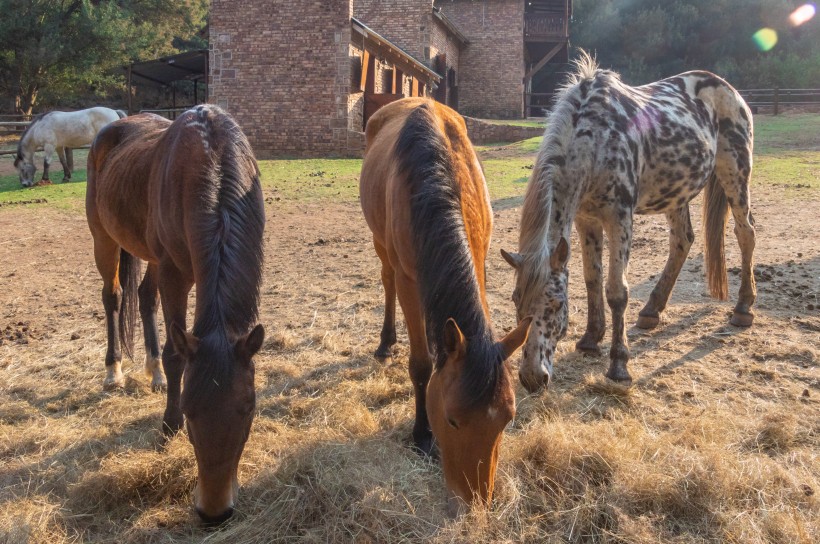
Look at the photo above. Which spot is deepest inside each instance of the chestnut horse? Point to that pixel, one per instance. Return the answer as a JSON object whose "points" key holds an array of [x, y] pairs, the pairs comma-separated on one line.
{"points": [[184, 196], [425, 200]]}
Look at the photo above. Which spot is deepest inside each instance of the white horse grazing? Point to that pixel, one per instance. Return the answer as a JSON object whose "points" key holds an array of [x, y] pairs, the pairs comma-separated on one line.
{"points": [[59, 131]]}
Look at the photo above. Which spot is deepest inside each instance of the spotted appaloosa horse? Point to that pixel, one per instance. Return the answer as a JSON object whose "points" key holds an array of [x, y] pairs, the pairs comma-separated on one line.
{"points": [[611, 151], [186, 197], [425, 200]]}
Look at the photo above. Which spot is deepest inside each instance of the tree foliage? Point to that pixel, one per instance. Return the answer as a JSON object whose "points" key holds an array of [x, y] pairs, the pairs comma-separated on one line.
{"points": [[62, 49], [647, 40]]}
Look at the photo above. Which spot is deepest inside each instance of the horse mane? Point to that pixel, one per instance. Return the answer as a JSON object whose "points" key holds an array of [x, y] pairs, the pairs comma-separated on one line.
{"points": [[446, 271], [226, 241], [35, 119], [535, 242]]}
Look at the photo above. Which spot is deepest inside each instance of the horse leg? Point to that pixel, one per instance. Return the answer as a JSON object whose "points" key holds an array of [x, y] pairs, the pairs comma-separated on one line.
{"points": [[388, 335], [617, 296], [107, 257], [591, 235], [738, 198], [681, 237], [61, 154], [149, 300], [421, 365], [173, 292], [69, 159], [48, 155]]}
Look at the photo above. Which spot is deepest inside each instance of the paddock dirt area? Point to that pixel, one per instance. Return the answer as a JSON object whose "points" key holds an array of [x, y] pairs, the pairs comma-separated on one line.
{"points": [[718, 440]]}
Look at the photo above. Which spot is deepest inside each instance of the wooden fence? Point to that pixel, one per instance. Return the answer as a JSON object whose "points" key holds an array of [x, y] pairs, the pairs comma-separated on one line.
{"points": [[775, 100], [778, 98]]}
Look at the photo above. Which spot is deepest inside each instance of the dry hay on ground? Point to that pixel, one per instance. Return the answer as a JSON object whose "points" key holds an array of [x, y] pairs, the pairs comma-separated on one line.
{"points": [[716, 441]]}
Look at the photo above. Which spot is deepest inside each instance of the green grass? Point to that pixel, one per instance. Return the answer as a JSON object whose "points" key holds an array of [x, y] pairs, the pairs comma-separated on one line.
{"points": [[541, 123], [69, 196], [787, 153]]}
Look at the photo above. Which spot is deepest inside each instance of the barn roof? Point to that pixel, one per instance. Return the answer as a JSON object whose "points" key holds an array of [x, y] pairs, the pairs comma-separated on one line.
{"points": [[191, 65], [396, 53]]}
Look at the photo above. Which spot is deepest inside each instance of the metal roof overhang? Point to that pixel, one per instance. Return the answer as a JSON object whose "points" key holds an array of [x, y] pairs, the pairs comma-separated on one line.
{"points": [[394, 53], [188, 66]]}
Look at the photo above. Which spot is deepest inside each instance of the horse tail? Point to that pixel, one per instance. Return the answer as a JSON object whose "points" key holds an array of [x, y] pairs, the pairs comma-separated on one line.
{"points": [[121, 113], [129, 276], [715, 217]]}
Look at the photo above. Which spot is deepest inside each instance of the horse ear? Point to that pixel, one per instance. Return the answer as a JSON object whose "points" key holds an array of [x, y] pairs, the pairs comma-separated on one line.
{"points": [[454, 342], [515, 338], [185, 343], [513, 259], [560, 257], [252, 342]]}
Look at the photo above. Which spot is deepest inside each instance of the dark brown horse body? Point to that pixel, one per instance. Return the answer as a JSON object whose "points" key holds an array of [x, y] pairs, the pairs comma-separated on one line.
{"points": [[186, 198], [425, 200]]}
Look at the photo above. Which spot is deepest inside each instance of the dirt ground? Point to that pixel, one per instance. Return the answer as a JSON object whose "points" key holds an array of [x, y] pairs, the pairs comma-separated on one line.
{"points": [[717, 440]]}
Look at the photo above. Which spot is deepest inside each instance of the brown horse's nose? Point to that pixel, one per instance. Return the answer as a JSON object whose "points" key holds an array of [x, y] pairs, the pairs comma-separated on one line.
{"points": [[213, 521]]}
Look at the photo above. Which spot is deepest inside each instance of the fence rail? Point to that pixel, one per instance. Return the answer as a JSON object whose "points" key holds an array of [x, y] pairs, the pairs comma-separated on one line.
{"points": [[777, 98]]}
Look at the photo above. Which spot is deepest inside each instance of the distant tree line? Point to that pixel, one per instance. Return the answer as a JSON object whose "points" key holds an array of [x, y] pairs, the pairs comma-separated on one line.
{"points": [[64, 51], [647, 40]]}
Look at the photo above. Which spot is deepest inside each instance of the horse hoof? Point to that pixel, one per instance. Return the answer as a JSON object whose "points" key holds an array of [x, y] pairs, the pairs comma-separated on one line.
{"points": [[159, 386], [742, 320], [112, 384], [170, 427], [647, 321], [425, 446], [66, 180], [587, 347], [619, 376], [383, 354]]}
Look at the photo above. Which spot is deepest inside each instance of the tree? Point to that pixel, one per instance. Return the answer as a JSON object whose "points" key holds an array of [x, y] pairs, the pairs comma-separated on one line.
{"points": [[68, 47], [647, 40]]}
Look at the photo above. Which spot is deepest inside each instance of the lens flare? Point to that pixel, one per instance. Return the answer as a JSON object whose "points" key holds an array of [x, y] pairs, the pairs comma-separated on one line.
{"points": [[765, 38], [802, 14]]}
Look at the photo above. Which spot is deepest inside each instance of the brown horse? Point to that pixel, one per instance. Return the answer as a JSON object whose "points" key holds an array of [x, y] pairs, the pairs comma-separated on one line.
{"points": [[185, 196], [425, 199]]}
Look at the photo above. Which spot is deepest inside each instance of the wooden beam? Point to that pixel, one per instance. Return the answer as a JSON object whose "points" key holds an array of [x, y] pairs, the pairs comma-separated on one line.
{"points": [[554, 51], [398, 81], [365, 65], [415, 91]]}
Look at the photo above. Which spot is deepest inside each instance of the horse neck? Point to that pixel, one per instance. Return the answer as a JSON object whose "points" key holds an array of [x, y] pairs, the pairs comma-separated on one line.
{"points": [[550, 206]]}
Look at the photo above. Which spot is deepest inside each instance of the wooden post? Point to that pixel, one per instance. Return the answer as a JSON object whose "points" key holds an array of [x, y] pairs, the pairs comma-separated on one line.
{"points": [[398, 82], [415, 91], [365, 65], [776, 100], [130, 111]]}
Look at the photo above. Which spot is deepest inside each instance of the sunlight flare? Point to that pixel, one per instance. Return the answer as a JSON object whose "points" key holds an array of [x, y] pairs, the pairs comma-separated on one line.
{"points": [[765, 38], [803, 14]]}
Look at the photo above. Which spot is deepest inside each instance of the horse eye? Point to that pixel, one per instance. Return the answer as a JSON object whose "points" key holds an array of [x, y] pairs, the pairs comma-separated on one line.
{"points": [[452, 423]]}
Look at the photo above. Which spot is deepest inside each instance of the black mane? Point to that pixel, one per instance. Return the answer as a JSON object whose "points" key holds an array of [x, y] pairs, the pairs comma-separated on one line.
{"points": [[228, 246], [446, 272]]}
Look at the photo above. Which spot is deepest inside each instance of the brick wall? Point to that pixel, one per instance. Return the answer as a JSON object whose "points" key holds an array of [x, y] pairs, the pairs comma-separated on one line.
{"points": [[492, 64], [441, 41], [403, 22], [284, 74]]}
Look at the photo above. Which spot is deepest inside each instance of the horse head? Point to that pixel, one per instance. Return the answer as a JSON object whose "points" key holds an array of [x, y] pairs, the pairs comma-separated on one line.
{"points": [[468, 433], [219, 420], [546, 299], [25, 169]]}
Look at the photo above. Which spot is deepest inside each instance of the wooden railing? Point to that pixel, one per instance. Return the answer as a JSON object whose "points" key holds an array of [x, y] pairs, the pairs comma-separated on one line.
{"points": [[544, 27], [777, 98]]}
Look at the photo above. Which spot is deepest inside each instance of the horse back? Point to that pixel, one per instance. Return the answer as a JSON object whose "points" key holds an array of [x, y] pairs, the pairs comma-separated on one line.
{"points": [[386, 185], [119, 175]]}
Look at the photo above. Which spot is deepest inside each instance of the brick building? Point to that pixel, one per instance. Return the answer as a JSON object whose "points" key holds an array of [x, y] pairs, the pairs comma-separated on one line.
{"points": [[303, 78]]}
